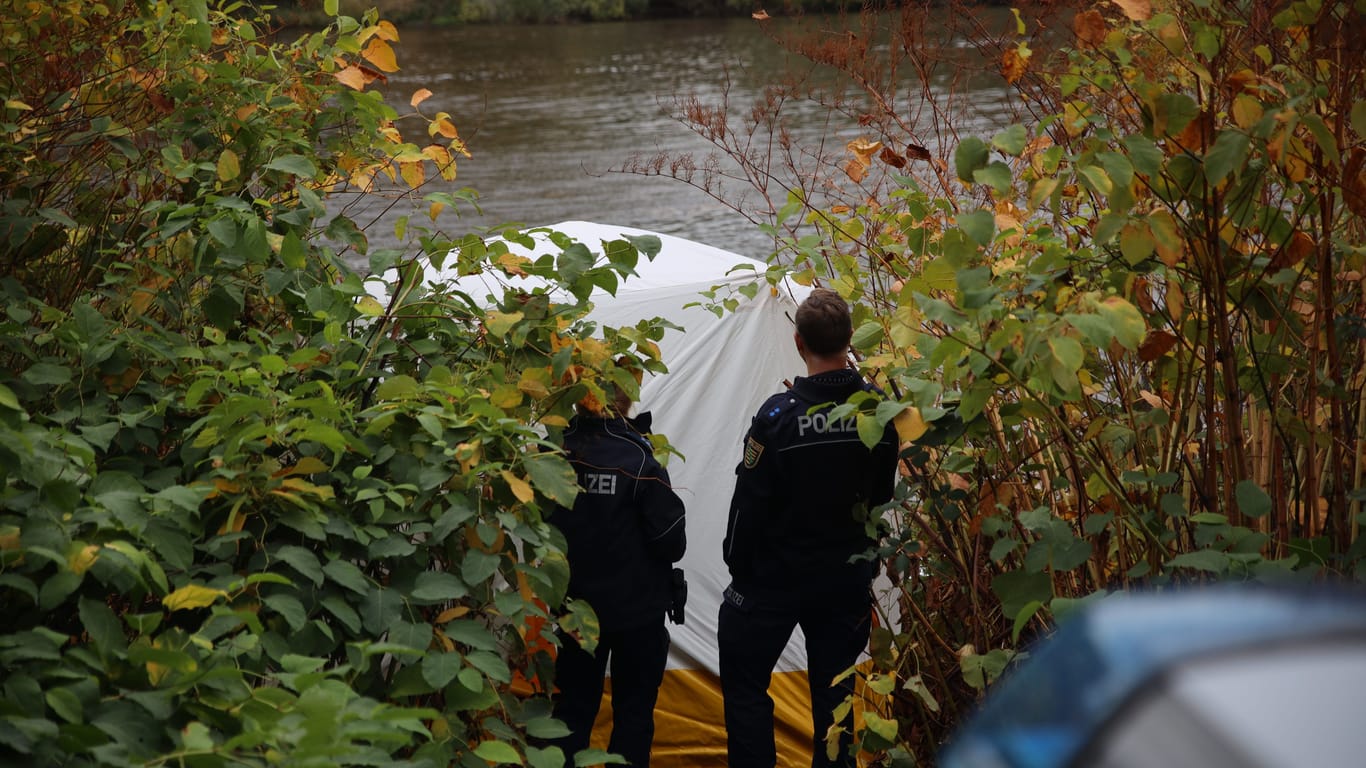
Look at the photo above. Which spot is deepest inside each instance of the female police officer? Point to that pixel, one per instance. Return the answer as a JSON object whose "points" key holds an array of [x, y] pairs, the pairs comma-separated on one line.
{"points": [[624, 532]]}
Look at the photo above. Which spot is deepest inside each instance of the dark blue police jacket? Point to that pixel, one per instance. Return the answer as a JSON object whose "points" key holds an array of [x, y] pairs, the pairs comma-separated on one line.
{"points": [[626, 528], [803, 490]]}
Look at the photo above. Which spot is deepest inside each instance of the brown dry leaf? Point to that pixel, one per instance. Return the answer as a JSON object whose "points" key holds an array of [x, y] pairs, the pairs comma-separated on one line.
{"points": [[1297, 249], [760, 15], [419, 96], [1156, 345], [1014, 62], [1152, 399], [1192, 137], [381, 55], [1089, 27], [855, 170], [917, 152], [891, 158], [1136, 10]]}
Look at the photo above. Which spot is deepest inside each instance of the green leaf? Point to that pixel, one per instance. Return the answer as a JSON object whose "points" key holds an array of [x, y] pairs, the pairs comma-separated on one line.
{"points": [[346, 574], [66, 704], [995, 175], [438, 586], [303, 561], [884, 728], [497, 752], [972, 153], [868, 336], [1228, 154], [1125, 320], [490, 664], [439, 669], [1144, 154], [47, 375], [595, 756], [478, 567], [1012, 140], [103, 626], [8, 399], [546, 728], [553, 476], [869, 430], [979, 225], [1017, 589], [192, 596], [1359, 118], [289, 608], [1022, 618], [1201, 560], [296, 165], [1252, 500]]}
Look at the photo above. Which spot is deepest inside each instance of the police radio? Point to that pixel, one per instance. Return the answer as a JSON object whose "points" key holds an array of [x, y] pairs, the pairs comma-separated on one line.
{"points": [[679, 594]]}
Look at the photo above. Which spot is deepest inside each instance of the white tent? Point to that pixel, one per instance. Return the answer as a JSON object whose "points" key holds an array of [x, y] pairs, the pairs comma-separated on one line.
{"points": [[720, 370]]}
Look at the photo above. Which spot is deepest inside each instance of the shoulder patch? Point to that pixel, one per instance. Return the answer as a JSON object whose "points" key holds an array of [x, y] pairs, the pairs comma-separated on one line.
{"points": [[753, 450]]}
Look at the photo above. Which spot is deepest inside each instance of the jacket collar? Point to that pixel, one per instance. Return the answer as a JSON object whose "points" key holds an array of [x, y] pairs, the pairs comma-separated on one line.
{"points": [[831, 386]]}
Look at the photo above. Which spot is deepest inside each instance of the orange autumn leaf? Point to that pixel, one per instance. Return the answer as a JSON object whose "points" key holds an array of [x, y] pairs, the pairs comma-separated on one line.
{"points": [[353, 78], [1014, 62], [419, 96], [381, 55]]}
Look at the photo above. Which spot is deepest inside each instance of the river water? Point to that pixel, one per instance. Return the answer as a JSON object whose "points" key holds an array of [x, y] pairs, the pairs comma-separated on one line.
{"points": [[548, 111]]}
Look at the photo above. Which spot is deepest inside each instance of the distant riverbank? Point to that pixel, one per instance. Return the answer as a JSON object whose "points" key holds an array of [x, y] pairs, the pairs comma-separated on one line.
{"points": [[456, 12]]}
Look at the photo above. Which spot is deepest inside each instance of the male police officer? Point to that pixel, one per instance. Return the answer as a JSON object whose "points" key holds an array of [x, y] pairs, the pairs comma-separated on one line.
{"points": [[798, 517], [623, 534]]}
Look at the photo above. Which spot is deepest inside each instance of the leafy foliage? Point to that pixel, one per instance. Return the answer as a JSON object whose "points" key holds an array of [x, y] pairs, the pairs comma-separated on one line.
{"points": [[1122, 331], [249, 514]]}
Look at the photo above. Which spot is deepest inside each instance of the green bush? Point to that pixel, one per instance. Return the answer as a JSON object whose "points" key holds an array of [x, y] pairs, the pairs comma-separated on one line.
{"points": [[249, 514]]}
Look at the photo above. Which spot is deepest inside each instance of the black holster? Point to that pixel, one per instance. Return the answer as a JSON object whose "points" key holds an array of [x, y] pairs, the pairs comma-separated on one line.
{"points": [[679, 594]]}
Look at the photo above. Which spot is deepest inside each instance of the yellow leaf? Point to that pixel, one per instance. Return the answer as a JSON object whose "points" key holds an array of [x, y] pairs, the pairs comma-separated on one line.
{"points": [[369, 306], [451, 614], [419, 96], [387, 31], [381, 55], [863, 150], [228, 165], [513, 264], [307, 465], [192, 596], [554, 420], [442, 124], [81, 560], [17, 104], [506, 397], [445, 164], [435, 210], [413, 174], [520, 488], [352, 78], [303, 486], [1247, 110], [910, 424], [1136, 10]]}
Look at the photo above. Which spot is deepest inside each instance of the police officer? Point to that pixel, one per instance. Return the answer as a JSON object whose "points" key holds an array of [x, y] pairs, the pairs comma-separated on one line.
{"points": [[798, 520], [625, 531]]}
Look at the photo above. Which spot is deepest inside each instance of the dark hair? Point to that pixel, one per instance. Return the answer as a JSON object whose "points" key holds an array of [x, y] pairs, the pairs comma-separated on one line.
{"points": [[823, 322]]}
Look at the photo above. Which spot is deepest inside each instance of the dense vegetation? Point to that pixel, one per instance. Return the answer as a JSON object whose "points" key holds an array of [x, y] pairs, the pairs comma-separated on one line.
{"points": [[1125, 332], [249, 514]]}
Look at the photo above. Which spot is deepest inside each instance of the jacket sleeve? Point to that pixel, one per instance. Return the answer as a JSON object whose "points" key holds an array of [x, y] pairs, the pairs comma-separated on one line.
{"points": [[756, 478], [663, 518]]}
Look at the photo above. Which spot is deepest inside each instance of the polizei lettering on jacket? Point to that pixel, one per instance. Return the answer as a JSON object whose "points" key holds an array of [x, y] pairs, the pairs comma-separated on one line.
{"points": [[600, 484], [820, 424]]}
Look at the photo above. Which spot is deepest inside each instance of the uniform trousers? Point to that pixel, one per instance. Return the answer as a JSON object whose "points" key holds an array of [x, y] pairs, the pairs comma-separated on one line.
{"points": [[750, 640], [637, 658]]}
